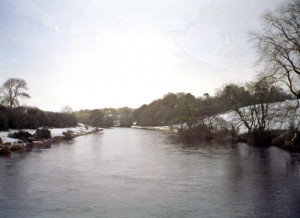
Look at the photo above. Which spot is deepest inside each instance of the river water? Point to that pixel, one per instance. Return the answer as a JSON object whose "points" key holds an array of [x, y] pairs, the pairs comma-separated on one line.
{"points": [[144, 173]]}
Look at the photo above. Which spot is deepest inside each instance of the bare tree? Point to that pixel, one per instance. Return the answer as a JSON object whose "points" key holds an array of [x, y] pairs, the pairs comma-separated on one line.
{"points": [[253, 105], [67, 110], [278, 45], [12, 90]]}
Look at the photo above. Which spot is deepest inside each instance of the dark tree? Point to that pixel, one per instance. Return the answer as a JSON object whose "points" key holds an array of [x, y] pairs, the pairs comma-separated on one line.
{"points": [[96, 118]]}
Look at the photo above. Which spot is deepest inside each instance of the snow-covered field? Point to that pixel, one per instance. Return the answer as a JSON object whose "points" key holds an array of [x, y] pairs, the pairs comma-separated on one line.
{"points": [[281, 115], [80, 129]]}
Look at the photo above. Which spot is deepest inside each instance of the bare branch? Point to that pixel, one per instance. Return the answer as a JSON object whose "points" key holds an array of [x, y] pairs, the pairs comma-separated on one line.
{"points": [[278, 45]]}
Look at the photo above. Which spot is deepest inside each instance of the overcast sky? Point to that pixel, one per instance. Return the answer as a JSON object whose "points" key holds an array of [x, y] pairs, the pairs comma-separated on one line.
{"points": [[114, 53]]}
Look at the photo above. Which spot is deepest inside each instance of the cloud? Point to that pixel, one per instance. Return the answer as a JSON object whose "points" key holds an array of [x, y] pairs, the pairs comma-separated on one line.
{"points": [[125, 51]]}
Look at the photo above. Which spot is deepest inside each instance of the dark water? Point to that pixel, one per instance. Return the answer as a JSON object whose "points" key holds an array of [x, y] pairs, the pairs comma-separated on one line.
{"points": [[142, 173]]}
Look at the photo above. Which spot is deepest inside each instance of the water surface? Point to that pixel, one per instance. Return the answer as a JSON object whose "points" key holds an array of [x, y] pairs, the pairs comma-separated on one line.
{"points": [[142, 173]]}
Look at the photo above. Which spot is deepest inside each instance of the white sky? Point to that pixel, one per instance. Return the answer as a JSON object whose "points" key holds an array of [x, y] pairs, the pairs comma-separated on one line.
{"points": [[114, 53]]}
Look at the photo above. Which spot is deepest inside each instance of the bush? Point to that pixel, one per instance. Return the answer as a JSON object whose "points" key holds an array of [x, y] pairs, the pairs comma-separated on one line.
{"points": [[261, 138], [42, 133], [22, 135], [197, 133], [4, 150], [68, 135], [296, 139], [3, 121]]}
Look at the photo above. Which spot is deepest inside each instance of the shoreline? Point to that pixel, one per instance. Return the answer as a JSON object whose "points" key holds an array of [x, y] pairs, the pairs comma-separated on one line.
{"points": [[12, 145], [172, 128], [280, 137], [160, 128]]}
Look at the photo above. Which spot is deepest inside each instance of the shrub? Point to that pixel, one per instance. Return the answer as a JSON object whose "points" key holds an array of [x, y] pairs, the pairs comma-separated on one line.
{"points": [[3, 121], [296, 139], [261, 138], [68, 135], [42, 133], [197, 133], [4, 150], [22, 135]]}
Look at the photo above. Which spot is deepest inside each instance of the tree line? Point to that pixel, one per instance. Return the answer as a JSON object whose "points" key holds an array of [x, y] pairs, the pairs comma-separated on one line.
{"points": [[107, 117], [185, 108], [14, 116], [33, 118]]}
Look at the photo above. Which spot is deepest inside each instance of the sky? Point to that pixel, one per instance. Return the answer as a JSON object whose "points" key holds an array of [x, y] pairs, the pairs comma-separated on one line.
{"points": [[90, 54]]}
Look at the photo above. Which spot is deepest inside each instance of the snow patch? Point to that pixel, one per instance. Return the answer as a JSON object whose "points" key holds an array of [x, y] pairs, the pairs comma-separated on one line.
{"points": [[80, 129], [282, 116]]}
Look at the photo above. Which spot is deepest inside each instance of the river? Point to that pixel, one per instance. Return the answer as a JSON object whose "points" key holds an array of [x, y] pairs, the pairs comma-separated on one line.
{"points": [[125, 172]]}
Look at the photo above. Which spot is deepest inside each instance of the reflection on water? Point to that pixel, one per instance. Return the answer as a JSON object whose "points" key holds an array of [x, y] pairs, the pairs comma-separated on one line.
{"points": [[141, 173]]}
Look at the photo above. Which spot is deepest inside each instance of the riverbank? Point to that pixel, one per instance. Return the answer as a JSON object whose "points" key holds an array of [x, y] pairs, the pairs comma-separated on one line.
{"points": [[284, 139], [160, 128], [173, 128], [9, 144]]}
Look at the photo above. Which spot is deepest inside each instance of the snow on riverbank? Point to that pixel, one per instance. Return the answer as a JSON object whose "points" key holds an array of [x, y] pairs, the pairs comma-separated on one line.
{"points": [[281, 115], [162, 128], [78, 130], [172, 128]]}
